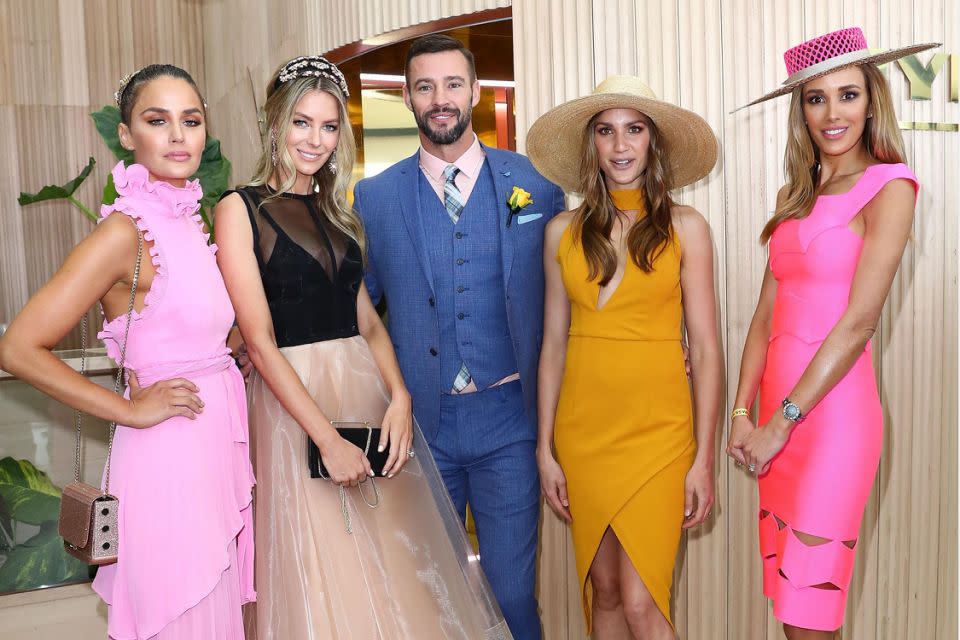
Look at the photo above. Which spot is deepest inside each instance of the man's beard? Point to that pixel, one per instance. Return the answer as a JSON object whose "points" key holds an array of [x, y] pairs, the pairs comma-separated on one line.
{"points": [[447, 136]]}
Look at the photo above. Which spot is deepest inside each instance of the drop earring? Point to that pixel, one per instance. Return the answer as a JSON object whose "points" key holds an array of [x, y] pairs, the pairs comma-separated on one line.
{"points": [[273, 150], [332, 162]]}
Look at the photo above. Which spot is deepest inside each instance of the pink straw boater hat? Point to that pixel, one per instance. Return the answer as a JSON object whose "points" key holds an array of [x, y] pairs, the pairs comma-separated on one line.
{"points": [[831, 52]]}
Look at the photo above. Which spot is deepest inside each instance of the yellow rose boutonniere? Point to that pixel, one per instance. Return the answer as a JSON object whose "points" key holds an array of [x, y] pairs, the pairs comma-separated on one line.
{"points": [[517, 201]]}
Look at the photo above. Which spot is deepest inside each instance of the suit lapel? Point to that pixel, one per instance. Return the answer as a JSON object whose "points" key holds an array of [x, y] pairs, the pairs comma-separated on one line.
{"points": [[410, 209], [502, 169]]}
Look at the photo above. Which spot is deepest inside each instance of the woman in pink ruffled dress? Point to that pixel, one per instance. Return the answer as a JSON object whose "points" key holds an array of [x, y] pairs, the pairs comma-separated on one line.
{"points": [[180, 466]]}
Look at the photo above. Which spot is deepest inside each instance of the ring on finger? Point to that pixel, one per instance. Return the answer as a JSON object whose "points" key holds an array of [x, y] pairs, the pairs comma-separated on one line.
{"points": [[751, 467], [411, 453]]}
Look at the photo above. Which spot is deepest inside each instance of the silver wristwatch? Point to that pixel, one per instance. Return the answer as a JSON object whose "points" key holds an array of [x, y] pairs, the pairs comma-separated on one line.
{"points": [[792, 412]]}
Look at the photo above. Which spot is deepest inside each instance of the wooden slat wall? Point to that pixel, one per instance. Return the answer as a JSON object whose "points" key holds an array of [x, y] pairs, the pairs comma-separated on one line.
{"points": [[62, 60], [711, 57]]}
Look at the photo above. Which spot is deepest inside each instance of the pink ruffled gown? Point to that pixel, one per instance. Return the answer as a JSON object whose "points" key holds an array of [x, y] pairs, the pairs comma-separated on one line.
{"points": [[819, 483], [186, 529]]}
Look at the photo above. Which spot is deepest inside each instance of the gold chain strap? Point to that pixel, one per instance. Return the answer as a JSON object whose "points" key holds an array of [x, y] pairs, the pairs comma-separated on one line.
{"points": [[78, 415]]}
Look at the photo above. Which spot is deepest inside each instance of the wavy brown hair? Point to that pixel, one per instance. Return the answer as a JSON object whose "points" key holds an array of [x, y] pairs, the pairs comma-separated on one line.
{"points": [[330, 187], [593, 220], [801, 159]]}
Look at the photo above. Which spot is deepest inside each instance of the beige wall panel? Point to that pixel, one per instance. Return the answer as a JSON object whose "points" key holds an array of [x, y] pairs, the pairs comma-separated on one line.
{"points": [[35, 66], [747, 73], [6, 54], [699, 74], [13, 274], [950, 232], [552, 57]]}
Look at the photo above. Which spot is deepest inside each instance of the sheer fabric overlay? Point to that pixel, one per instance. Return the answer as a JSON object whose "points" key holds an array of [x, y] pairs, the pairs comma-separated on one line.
{"points": [[406, 571]]}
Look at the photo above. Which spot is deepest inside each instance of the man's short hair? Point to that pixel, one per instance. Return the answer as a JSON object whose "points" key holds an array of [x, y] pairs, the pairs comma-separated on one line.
{"points": [[436, 43]]}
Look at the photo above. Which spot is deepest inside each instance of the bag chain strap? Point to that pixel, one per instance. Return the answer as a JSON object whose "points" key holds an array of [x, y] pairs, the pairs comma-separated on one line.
{"points": [[78, 415], [347, 520]]}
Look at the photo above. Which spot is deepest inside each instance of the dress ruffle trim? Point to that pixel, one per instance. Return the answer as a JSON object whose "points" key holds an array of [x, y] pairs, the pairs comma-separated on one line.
{"points": [[134, 182], [113, 329]]}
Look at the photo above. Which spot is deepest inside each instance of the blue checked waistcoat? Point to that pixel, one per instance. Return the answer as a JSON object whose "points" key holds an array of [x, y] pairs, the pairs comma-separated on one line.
{"points": [[467, 271]]}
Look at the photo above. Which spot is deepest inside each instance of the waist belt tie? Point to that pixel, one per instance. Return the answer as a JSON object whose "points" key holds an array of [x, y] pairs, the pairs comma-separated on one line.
{"points": [[192, 369]]}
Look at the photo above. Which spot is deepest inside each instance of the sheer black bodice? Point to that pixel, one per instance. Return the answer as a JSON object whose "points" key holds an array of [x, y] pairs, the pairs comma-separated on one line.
{"points": [[311, 270]]}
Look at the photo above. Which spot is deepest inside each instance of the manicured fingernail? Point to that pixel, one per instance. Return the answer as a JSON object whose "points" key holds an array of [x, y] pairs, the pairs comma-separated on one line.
{"points": [[380, 448], [390, 476]]}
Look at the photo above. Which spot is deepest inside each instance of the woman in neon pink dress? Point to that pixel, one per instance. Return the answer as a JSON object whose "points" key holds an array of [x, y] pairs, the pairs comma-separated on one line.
{"points": [[836, 239], [181, 467]]}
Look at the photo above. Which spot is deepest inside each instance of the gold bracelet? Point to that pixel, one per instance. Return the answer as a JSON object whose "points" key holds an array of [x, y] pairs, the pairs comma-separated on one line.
{"points": [[739, 412]]}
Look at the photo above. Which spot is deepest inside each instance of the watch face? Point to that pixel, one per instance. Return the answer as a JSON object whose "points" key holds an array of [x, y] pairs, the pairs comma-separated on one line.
{"points": [[791, 411]]}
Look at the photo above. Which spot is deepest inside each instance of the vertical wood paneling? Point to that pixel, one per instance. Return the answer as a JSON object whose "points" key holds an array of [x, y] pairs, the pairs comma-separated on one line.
{"points": [[748, 72], [553, 63], [553, 57], [946, 626], [905, 580]]}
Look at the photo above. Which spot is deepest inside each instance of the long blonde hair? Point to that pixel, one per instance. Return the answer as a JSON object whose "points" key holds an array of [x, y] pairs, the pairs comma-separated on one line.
{"points": [[593, 220], [801, 160], [330, 186]]}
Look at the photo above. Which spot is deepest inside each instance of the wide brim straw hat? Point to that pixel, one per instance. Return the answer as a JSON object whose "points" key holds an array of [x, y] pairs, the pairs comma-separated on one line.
{"points": [[555, 141], [831, 52]]}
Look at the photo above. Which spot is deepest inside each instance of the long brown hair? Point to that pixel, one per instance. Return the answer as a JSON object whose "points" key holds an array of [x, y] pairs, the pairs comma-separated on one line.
{"points": [[801, 160], [330, 186], [593, 220]]}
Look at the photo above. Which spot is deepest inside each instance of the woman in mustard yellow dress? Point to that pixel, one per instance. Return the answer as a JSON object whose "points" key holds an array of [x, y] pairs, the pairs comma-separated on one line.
{"points": [[634, 452]]}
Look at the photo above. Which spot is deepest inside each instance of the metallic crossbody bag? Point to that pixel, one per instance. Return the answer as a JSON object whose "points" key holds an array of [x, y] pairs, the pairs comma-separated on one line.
{"points": [[88, 515]]}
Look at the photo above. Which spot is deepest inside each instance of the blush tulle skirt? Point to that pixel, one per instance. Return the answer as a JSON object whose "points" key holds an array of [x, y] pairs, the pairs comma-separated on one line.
{"points": [[407, 569]]}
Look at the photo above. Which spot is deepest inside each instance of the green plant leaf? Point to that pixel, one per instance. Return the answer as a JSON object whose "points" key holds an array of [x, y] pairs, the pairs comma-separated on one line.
{"points": [[55, 192], [213, 173], [40, 562], [107, 120], [28, 493], [109, 190]]}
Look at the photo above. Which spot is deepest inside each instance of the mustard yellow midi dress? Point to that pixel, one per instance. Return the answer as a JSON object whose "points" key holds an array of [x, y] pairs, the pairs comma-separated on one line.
{"points": [[624, 430]]}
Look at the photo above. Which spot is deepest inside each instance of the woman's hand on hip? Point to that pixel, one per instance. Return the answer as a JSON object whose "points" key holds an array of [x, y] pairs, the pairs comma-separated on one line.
{"points": [[162, 400], [397, 433]]}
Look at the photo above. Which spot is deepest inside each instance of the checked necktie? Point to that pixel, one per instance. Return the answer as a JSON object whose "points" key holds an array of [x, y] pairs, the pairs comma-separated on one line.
{"points": [[452, 198]]}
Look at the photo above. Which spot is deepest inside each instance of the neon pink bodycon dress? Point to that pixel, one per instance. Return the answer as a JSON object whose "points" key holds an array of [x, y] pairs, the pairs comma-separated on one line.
{"points": [[819, 483]]}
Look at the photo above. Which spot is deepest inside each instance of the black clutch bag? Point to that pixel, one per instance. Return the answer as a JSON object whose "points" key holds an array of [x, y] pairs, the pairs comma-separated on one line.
{"points": [[361, 434]]}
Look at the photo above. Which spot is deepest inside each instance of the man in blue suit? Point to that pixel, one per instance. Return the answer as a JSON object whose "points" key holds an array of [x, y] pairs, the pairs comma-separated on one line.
{"points": [[462, 273]]}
